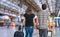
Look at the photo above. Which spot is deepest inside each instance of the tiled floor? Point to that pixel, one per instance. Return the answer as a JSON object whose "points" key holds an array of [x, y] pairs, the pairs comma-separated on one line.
{"points": [[9, 32]]}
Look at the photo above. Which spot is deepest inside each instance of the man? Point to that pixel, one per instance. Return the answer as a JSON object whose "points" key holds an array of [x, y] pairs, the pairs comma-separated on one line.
{"points": [[29, 22], [19, 33], [43, 17]]}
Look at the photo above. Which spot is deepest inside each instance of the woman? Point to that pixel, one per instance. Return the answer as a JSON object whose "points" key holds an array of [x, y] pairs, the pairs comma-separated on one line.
{"points": [[29, 22], [51, 23]]}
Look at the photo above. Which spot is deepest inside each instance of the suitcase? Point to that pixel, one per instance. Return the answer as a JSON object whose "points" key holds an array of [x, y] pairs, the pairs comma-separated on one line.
{"points": [[19, 33], [49, 33]]}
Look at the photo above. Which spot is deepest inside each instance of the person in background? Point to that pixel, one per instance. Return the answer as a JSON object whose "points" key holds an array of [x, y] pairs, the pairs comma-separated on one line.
{"points": [[36, 23], [19, 33], [21, 23], [8, 23], [43, 24], [51, 23], [29, 22], [4, 24], [13, 24]]}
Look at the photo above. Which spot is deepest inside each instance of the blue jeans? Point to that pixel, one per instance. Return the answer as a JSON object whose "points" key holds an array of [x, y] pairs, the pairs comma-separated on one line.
{"points": [[29, 31], [43, 32]]}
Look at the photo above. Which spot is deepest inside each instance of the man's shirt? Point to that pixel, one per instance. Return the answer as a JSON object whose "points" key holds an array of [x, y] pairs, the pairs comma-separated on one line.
{"points": [[43, 18]]}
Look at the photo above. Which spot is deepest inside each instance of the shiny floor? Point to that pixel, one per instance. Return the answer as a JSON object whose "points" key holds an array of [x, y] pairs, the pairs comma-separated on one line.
{"points": [[9, 32]]}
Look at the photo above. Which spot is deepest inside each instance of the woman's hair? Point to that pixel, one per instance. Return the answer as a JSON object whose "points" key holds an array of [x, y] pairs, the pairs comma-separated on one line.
{"points": [[29, 9], [44, 6]]}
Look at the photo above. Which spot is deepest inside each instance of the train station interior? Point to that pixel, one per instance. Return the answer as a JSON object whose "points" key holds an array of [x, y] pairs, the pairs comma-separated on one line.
{"points": [[13, 10]]}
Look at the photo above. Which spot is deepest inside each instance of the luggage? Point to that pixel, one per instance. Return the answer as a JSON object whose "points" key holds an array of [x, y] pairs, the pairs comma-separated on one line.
{"points": [[49, 33], [18, 34]]}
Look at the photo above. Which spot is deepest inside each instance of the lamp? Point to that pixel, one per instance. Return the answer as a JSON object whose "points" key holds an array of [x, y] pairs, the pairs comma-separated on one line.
{"points": [[6, 17]]}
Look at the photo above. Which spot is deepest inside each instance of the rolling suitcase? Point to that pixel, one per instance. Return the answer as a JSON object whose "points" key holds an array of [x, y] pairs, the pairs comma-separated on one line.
{"points": [[19, 33], [49, 33]]}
